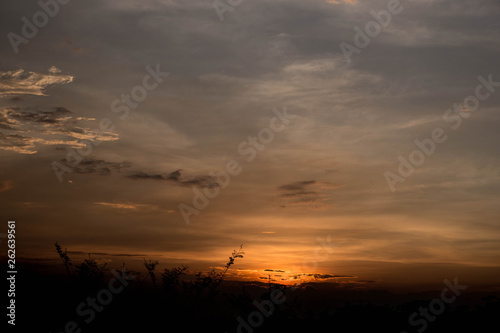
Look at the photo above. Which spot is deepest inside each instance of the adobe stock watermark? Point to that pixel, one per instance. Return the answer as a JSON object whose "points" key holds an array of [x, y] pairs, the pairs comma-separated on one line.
{"points": [[372, 29], [436, 307], [40, 19], [427, 147], [222, 6], [249, 148], [122, 106]]}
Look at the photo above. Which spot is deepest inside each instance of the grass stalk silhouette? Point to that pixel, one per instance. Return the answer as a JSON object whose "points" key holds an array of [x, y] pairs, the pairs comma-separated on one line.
{"points": [[151, 266], [64, 257]]}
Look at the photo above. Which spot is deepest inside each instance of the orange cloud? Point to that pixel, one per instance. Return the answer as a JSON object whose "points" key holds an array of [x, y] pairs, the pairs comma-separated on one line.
{"points": [[123, 205], [30, 83]]}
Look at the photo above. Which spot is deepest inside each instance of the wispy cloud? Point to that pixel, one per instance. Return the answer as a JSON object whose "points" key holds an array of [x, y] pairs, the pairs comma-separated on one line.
{"points": [[176, 177], [274, 270], [133, 206], [308, 194], [337, 2], [298, 186], [100, 167], [106, 168], [23, 129], [318, 276], [20, 82]]}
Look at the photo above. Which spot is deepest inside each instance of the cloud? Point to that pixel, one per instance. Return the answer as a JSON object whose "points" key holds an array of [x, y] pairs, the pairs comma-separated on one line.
{"points": [[364, 113], [17, 143], [305, 194], [14, 119], [100, 167], [54, 70], [127, 207], [22, 129], [176, 177], [132, 206], [141, 175], [20, 82], [331, 276], [337, 2], [106, 168], [274, 270], [318, 276], [313, 66], [298, 186]]}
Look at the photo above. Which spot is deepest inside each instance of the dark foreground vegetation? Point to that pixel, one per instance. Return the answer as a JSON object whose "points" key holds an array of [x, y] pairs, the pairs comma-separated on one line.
{"points": [[96, 298]]}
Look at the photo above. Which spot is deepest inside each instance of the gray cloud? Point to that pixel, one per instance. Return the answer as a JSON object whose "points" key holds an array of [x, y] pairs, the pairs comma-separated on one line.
{"points": [[106, 168], [298, 186], [175, 177], [309, 194], [143, 176], [100, 167]]}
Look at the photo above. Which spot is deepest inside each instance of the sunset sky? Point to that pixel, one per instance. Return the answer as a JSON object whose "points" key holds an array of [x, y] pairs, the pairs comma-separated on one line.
{"points": [[320, 179]]}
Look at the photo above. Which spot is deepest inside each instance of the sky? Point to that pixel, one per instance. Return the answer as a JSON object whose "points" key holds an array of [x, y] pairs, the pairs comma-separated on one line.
{"points": [[308, 120]]}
